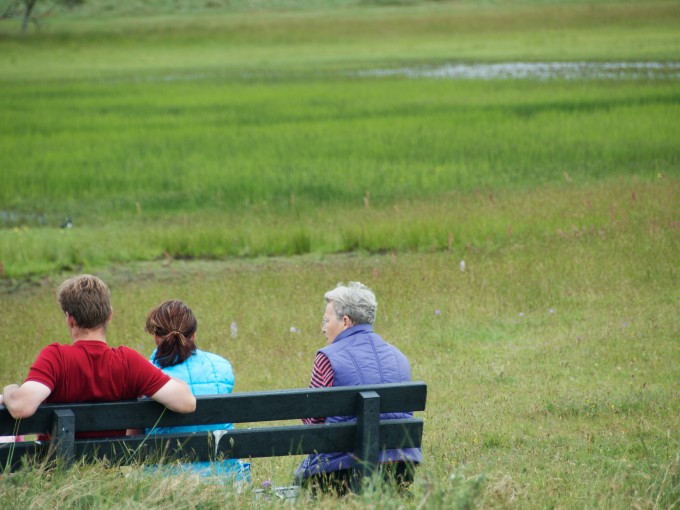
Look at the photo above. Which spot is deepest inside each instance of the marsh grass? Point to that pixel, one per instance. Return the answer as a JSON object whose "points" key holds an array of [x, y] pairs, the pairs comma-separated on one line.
{"points": [[101, 485], [112, 150], [293, 168]]}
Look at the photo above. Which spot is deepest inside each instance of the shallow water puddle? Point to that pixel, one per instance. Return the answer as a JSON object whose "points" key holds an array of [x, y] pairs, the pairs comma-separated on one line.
{"points": [[538, 71]]}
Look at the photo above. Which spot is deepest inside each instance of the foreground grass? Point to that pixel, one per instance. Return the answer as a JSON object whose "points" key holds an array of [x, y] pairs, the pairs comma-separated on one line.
{"points": [[551, 359]]}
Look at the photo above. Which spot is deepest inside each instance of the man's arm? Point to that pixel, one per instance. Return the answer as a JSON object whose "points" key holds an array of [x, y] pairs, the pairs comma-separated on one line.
{"points": [[176, 396], [22, 401]]}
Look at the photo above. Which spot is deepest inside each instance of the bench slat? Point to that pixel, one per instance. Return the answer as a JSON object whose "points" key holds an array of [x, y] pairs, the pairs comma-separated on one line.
{"points": [[234, 408], [257, 442]]}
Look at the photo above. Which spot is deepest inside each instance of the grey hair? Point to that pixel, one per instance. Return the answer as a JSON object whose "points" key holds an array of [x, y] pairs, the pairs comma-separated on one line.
{"points": [[354, 300]]}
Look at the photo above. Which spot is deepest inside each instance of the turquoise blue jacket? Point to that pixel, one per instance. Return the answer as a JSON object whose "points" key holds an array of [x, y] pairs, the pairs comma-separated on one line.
{"points": [[206, 374]]}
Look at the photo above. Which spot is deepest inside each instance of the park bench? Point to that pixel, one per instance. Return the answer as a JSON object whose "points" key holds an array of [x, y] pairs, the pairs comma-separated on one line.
{"points": [[366, 437]]}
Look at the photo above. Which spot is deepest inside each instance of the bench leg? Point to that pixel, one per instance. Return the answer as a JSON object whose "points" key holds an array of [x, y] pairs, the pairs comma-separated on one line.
{"points": [[366, 445], [62, 439]]}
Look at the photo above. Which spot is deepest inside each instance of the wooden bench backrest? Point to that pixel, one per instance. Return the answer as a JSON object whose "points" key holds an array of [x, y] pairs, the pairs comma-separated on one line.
{"points": [[365, 438]]}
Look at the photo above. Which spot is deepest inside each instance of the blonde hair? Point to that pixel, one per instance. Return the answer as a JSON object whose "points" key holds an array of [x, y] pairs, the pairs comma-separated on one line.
{"points": [[87, 299]]}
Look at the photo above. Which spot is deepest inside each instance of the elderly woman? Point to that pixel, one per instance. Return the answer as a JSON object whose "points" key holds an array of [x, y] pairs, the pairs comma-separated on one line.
{"points": [[355, 355], [173, 326]]}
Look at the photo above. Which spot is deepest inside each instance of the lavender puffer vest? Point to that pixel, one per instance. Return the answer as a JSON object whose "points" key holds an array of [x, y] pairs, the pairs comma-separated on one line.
{"points": [[359, 356]]}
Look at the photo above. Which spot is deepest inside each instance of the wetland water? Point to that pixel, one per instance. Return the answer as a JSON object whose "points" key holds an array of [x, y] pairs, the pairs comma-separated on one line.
{"points": [[666, 71], [537, 71]]}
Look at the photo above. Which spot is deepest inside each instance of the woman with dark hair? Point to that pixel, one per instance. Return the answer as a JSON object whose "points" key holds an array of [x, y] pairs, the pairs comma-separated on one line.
{"points": [[173, 326]]}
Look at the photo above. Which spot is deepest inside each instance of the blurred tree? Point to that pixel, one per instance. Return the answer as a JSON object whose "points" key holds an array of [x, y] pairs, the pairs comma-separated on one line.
{"points": [[25, 9]]}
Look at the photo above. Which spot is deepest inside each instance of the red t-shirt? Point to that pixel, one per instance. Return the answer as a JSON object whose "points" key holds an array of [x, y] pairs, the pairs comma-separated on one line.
{"points": [[90, 370]]}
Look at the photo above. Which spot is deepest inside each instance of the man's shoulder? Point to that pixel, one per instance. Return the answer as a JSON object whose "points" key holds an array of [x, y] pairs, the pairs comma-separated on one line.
{"points": [[127, 351], [56, 345], [131, 357], [53, 348]]}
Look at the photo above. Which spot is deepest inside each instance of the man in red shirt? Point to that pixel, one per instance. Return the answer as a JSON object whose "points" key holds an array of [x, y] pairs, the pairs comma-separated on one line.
{"points": [[89, 370]]}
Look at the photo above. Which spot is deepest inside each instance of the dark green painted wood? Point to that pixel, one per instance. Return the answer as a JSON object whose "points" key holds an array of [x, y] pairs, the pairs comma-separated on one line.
{"points": [[235, 408], [253, 443], [368, 421], [365, 438], [63, 428]]}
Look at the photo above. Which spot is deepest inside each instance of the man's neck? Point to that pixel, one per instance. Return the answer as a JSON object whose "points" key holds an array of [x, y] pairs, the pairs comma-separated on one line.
{"points": [[88, 334]]}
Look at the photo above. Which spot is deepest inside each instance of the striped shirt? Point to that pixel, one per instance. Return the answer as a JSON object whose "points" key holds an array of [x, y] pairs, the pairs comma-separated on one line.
{"points": [[322, 377]]}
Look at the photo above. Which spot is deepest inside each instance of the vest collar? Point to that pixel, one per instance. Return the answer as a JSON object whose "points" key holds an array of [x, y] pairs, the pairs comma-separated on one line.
{"points": [[359, 328]]}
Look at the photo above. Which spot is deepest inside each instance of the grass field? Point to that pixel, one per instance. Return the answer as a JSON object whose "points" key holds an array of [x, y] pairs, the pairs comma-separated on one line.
{"points": [[551, 363], [236, 155]]}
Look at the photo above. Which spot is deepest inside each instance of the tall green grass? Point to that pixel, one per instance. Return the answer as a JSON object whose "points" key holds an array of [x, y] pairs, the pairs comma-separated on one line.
{"points": [[275, 168], [455, 222], [111, 150]]}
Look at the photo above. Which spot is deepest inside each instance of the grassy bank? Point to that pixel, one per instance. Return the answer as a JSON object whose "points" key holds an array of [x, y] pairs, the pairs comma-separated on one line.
{"points": [[551, 361], [454, 223]]}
